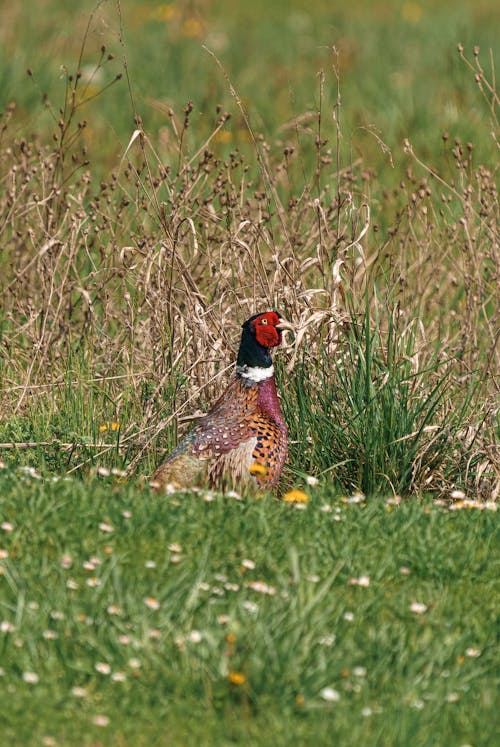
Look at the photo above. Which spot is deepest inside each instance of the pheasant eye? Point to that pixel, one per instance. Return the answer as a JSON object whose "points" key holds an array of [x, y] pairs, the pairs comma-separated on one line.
{"points": [[264, 321]]}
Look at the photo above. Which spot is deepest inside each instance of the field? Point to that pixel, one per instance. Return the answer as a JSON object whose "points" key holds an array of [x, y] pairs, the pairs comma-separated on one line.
{"points": [[168, 170]]}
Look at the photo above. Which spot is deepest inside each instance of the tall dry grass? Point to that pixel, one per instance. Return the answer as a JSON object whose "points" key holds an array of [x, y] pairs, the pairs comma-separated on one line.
{"points": [[138, 282]]}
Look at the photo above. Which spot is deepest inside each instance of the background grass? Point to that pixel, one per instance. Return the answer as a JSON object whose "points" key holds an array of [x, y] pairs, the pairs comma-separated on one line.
{"points": [[339, 164], [81, 559]]}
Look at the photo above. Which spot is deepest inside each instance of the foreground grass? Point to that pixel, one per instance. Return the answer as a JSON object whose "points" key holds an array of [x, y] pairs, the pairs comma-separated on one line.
{"points": [[129, 619]]}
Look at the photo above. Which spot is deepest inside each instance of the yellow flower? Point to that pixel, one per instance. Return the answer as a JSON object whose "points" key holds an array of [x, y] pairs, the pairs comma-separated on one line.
{"points": [[115, 426], [237, 678], [103, 428], [223, 136], [192, 28], [257, 469], [296, 496]]}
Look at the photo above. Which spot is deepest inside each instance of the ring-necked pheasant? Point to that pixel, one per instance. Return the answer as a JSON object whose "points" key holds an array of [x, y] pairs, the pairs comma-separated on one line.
{"points": [[243, 437]]}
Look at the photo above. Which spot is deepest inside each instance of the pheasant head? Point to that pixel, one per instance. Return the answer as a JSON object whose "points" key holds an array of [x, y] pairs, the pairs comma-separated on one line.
{"points": [[260, 333]]}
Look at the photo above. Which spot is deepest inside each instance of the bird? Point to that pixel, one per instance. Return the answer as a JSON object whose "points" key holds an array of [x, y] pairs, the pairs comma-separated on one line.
{"points": [[242, 440]]}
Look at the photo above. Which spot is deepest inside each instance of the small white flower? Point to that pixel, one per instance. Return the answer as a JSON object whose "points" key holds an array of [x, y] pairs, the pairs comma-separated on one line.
{"points": [[473, 652], [418, 608], [7, 526], [4, 554], [103, 667], [250, 606], [223, 619], [457, 495], [312, 481], [134, 663], [30, 677], [203, 586], [57, 615], [93, 582], [195, 636], [6, 627], [152, 603], [127, 514], [404, 571], [71, 584], [100, 720], [50, 635], [349, 616], [231, 587], [103, 471], [359, 671], [330, 695], [327, 640], [150, 564], [246, 563], [124, 640], [114, 609], [326, 508], [452, 697], [175, 559], [367, 711], [106, 527], [364, 581], [79, 692], [118, 677]]}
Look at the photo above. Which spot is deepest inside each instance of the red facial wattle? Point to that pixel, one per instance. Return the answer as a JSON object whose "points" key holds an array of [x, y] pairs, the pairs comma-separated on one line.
{"points": [[266, 333]]}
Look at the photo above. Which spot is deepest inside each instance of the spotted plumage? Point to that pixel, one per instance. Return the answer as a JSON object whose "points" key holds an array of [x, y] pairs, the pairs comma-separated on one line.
{"points": [[243, 438]]}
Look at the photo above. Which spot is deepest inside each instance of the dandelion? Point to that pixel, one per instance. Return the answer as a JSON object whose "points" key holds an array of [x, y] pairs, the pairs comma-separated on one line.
{"points": [[78, 692], [237, 678], [330, 695], [152, 603], [258, 469], [100, 720], [296, 496], [418, 608], [31, 678]]}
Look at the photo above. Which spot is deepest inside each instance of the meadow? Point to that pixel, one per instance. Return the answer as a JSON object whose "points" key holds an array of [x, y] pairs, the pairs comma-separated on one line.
{"points": [[167, 170]]}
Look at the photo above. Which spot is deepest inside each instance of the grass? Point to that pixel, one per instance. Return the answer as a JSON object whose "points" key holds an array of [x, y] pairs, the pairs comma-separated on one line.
{"points": [[146, 607], [342, 168]]}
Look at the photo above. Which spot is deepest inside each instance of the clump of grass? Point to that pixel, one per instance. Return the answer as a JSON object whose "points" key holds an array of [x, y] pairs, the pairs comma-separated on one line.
{"points": [[123, 298]]}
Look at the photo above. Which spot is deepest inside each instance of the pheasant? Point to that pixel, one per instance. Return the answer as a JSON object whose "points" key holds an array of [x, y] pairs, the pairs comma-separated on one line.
{"points": [[243, 437]]}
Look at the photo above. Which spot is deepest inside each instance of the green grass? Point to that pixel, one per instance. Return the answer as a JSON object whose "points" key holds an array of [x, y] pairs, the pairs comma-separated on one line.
{"points": [[315, 629]]}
